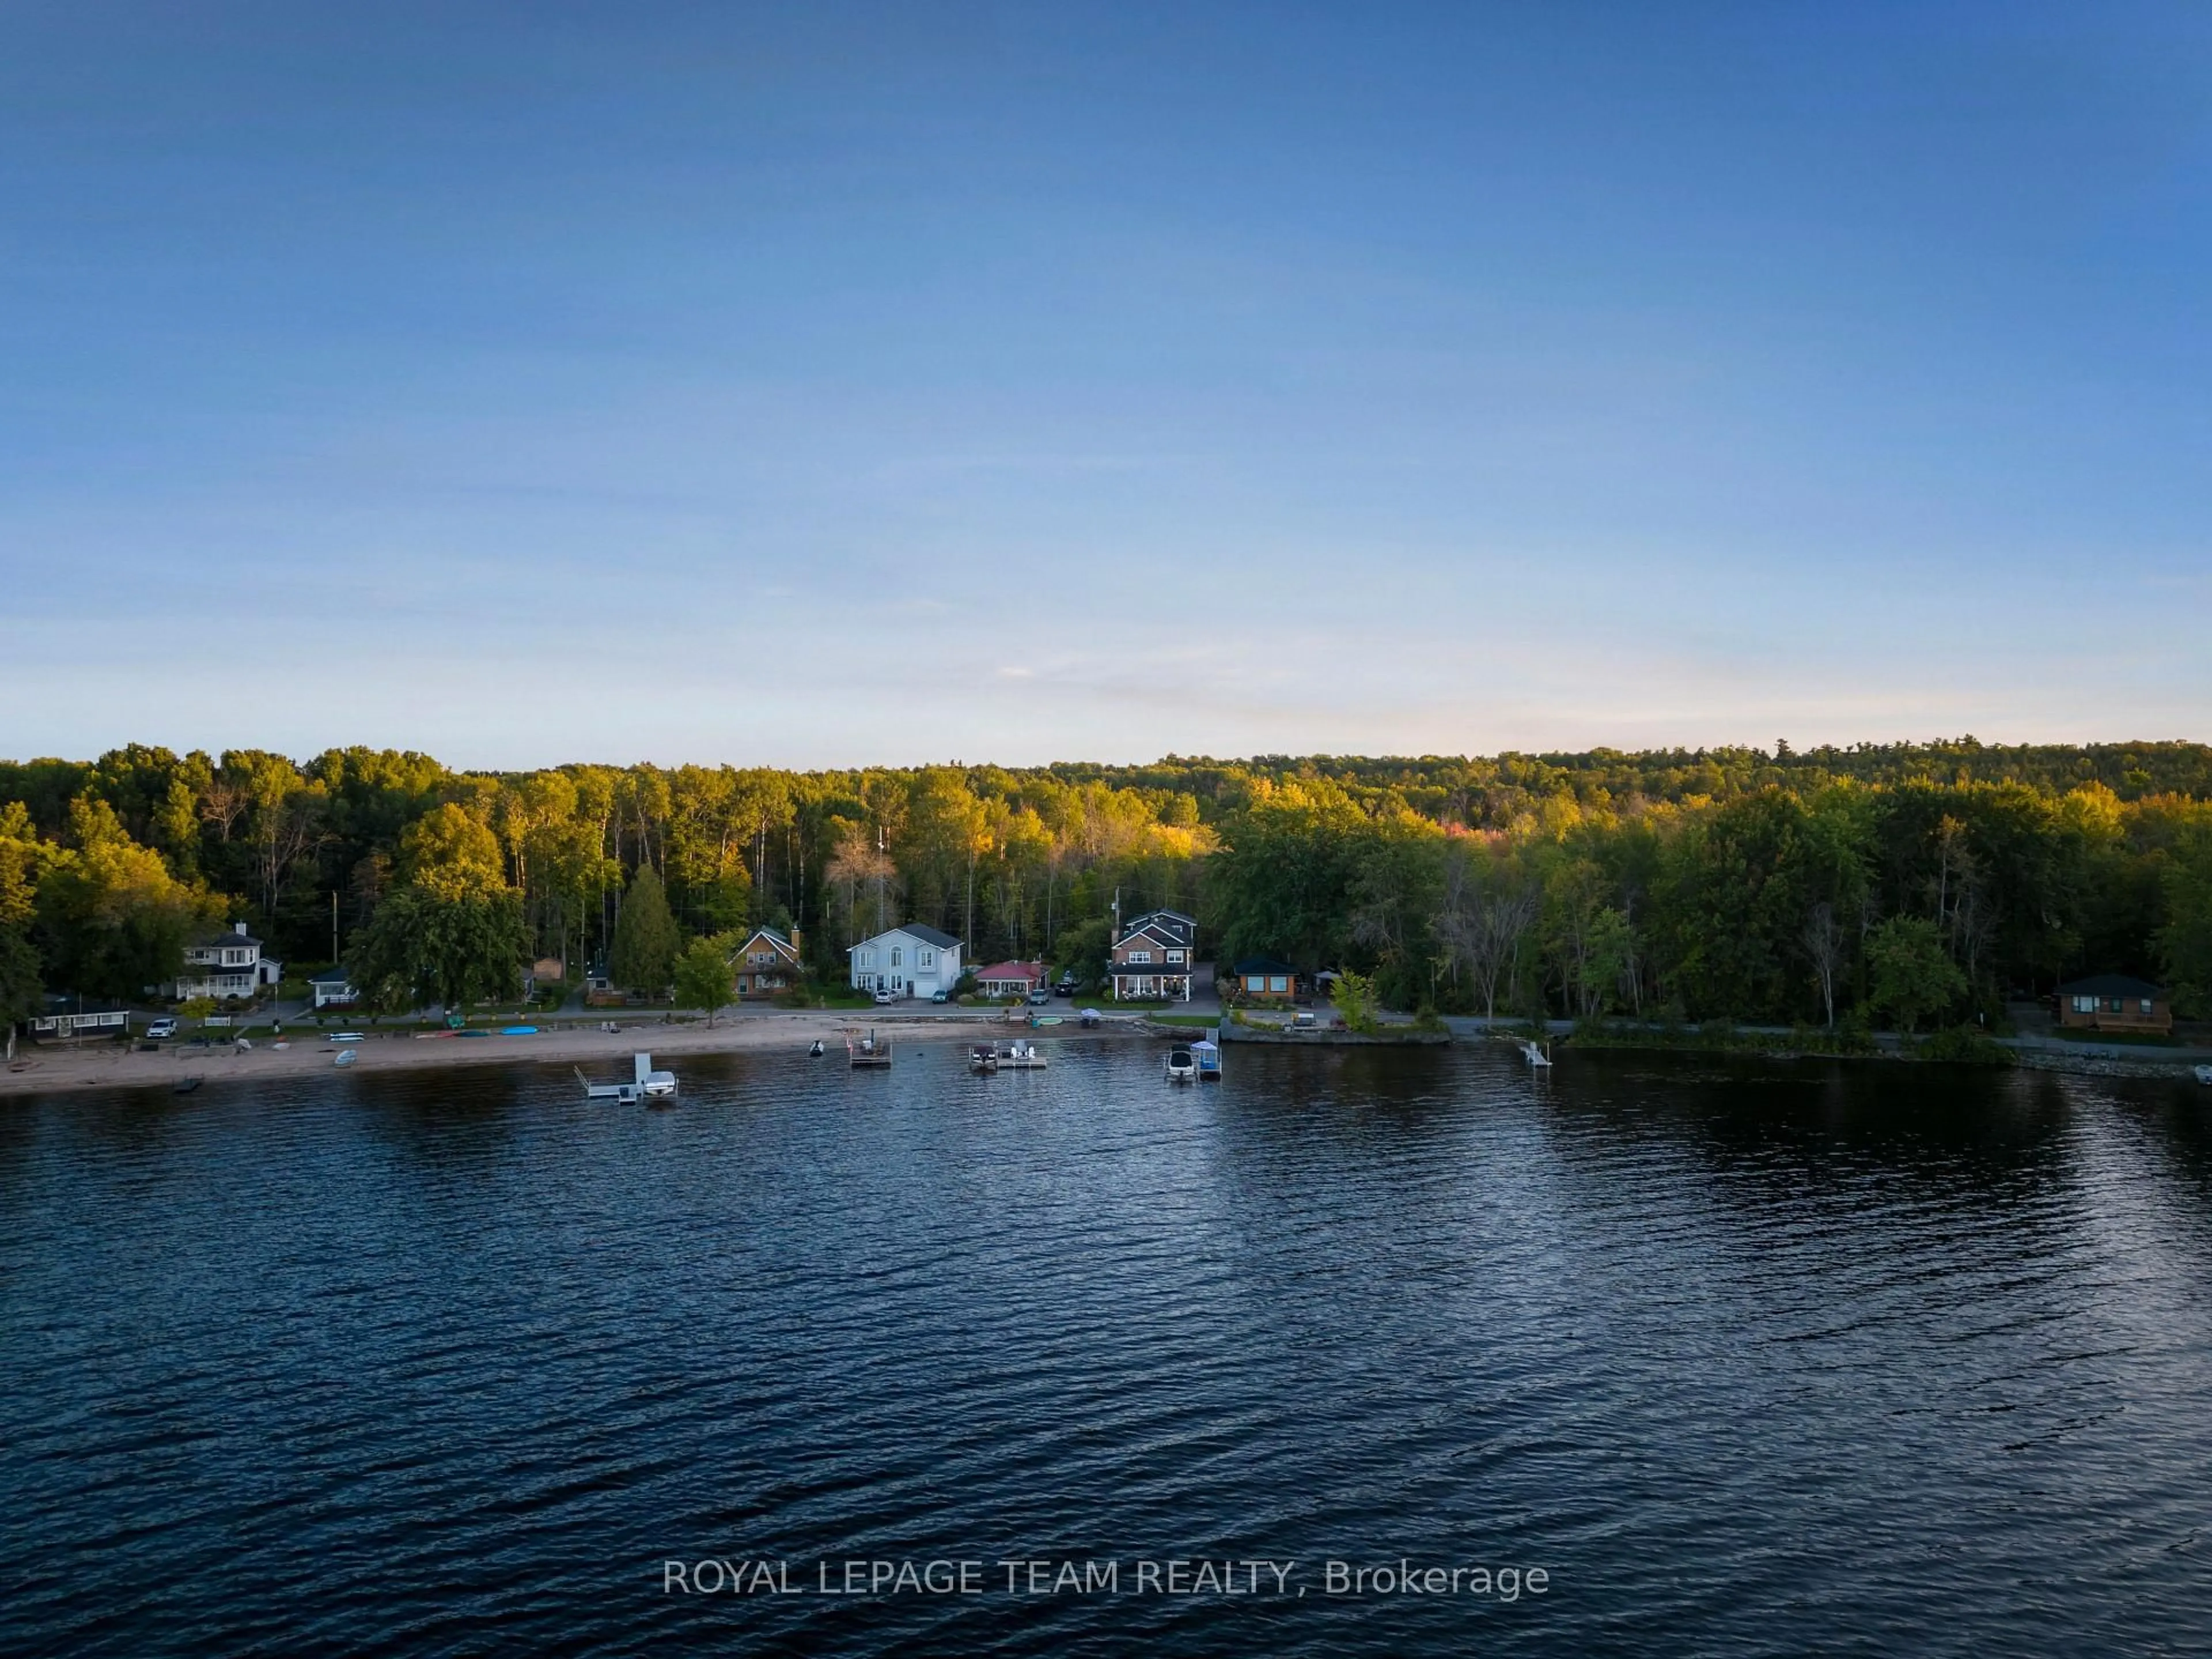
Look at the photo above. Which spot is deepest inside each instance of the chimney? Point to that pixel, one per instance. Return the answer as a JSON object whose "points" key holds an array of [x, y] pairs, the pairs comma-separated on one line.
{"points": [[238, 927]]}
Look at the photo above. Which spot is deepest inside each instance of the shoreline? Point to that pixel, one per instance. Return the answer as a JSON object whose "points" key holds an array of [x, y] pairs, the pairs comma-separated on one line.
{"points": [[110, 1066]]}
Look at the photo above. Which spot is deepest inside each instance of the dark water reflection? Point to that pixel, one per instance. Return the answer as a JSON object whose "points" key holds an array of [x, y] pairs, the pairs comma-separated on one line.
{"points": [[1748, 1359]]}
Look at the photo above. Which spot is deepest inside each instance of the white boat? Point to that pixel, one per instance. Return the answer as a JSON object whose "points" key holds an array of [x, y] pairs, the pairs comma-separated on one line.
{"points": [[2204, 1074], [645, 1084], [345, 1057], [1182, 1068]]}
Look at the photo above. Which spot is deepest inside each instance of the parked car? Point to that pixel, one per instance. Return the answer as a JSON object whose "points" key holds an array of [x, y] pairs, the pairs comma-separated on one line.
{"points": [[883, 997], [1067, 987], [1039, 997], [164, 1027], [939, 996]]}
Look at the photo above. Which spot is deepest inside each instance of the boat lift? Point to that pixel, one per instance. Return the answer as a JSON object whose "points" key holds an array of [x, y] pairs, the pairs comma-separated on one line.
{"points": [[645, 1084], [1207, 1055]]}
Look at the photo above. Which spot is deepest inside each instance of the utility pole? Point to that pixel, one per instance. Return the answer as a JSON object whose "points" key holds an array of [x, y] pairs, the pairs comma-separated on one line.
{"points": [[334, 925]]}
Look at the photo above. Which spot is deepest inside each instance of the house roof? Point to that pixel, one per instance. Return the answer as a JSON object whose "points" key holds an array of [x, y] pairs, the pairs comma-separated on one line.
{"points": [[1157, 933], [1012, 970], [331, 976], [63, 1002], [1262, 965], [912, 929], [1172, 925], [2111, 985], [229, 936], [772, 936]]}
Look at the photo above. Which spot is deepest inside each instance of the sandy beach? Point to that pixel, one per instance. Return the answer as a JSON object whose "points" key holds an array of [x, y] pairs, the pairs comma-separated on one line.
{"points": [[110, 1066]]}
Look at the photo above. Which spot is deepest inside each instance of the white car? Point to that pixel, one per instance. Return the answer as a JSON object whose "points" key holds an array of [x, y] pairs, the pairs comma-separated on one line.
{"points": [[883, 997], [163, 1027]]}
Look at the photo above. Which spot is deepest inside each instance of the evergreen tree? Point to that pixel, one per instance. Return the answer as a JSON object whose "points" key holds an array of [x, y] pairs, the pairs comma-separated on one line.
{"points": [[643, 956]]}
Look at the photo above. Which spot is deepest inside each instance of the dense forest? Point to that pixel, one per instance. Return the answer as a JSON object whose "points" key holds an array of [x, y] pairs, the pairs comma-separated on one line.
{"points": [[1912, 883]]}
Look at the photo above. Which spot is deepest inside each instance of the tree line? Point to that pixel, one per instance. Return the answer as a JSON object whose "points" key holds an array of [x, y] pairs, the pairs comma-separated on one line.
{"points": [[1909, 883]]}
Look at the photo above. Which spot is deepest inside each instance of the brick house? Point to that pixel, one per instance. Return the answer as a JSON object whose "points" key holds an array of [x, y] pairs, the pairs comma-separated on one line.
{"points": [[1155, 957]]}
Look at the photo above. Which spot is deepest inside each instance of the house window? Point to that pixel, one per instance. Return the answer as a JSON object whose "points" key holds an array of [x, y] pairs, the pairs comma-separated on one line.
{"points": [[2085, 1004], [1140, 956], [1278, 983], [898, 957], [2112, 1005], [1255, 981], [1175, 955], [928, 959], [2146, 1005]]}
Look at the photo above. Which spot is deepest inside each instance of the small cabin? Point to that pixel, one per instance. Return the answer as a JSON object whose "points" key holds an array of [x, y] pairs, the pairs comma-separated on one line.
{"points": [[1010, 979], [74, 1017], [1263, 979], [2115, 1002]]}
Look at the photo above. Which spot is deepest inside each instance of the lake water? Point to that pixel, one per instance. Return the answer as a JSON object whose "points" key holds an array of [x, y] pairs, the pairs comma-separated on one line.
{"points": [[1746, 1359]]}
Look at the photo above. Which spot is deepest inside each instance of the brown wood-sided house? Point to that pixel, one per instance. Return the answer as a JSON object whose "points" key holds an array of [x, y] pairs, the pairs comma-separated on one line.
{"points": [[1263, 979], [2115, 1002], [1155, 959], [767, 961]]}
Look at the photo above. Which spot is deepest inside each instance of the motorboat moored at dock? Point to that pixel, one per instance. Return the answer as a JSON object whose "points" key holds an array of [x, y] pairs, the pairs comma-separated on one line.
{"points": [[1014, 1056], [645, 1084], [1182, 1068]]}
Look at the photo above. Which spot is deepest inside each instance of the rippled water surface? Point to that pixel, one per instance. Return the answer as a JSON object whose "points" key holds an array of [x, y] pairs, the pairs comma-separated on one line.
{"points": [[1747, 1360]]}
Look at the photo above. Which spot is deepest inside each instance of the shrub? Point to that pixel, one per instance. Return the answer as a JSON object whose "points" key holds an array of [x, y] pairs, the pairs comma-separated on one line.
{"points": [[1964, 1045]]}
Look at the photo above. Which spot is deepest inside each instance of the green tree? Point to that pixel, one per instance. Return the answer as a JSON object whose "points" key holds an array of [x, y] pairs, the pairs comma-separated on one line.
{"points": [[1353, 1000], [20, 992], [643, 956], [703, 976], [1082, 948], [1913, 976], [425, 945], [111, 918], [452, 932], [2184, 941]]}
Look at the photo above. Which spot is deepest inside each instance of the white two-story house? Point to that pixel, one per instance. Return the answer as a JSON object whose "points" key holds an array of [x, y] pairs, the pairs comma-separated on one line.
{"points": [[225, 965], [912, 961]]}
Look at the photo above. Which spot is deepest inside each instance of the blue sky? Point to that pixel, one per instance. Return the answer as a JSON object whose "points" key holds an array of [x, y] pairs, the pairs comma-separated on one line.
{"points": [[835, 384]]}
